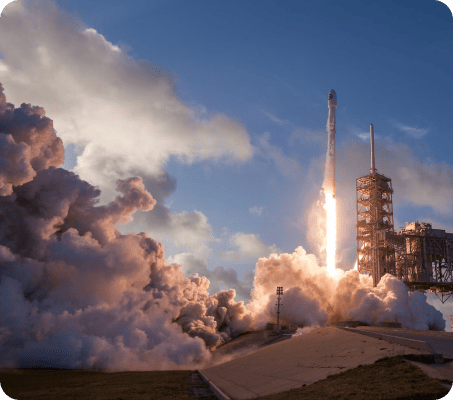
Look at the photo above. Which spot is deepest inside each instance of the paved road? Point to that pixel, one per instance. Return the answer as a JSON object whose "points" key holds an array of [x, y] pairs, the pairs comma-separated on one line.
{"points": [[441, 342], [304, 359]]}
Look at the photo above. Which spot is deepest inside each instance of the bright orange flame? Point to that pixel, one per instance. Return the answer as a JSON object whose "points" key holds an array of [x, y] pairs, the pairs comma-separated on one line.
{"points": [[330, 206]]}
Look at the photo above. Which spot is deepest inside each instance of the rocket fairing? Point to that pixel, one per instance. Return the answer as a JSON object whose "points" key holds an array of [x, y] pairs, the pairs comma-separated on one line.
{"points": [[330, 184]]}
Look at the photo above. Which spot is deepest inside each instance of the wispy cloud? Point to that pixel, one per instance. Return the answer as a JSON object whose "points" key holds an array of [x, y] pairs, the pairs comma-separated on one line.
{"points": [[360, 133], [298, 133], [287, 166], [275, 119], [414, 132], [364, 136], [255, 210]]}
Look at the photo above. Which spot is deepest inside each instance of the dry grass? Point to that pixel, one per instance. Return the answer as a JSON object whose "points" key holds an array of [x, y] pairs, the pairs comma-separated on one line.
{"points": [[386, 379], [94, 385]]}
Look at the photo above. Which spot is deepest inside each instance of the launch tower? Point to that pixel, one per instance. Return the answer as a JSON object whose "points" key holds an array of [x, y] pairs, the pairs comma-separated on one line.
{"points": [[375, 256], [420, 256]]}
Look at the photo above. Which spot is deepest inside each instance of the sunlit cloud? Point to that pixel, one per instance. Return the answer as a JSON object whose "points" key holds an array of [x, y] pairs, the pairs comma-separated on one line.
{"points": [[125, 114], [416, 133]]}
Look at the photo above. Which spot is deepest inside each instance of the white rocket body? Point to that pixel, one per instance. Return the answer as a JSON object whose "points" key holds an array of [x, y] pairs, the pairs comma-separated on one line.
{"points": [[329, 181]]}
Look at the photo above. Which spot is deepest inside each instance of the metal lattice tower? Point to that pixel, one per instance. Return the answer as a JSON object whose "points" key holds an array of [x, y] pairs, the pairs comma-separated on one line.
{"points": [[279, 294], [374, 219]]}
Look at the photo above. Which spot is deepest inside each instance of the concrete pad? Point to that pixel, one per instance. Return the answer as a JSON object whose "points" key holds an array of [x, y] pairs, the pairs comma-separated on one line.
{"points": [[301, 360], [438, 342]]}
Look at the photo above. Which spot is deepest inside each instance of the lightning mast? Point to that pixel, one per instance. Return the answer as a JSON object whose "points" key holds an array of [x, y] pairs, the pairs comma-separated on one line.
{"points": [[375, 256]]}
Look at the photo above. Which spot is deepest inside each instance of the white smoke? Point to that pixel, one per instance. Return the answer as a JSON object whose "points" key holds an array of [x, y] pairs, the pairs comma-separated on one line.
{"points": [[305, 330], [312, 297]]}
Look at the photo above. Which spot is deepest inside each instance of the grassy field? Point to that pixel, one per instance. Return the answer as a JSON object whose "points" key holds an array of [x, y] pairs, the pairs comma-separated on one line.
{"points": [[386, 379], [95, 385]]}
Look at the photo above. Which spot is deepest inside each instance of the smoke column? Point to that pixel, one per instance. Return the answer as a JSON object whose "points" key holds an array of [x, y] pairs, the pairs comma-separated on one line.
{"points": [[76, 293]]}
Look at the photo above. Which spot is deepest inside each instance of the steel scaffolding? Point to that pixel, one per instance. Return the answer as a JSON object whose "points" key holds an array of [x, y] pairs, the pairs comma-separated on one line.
{"points": [[375, 256]]}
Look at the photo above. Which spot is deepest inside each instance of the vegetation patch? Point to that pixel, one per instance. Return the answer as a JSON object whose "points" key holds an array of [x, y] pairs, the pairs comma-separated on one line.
{"points": [[42, 384], [390, 378]]}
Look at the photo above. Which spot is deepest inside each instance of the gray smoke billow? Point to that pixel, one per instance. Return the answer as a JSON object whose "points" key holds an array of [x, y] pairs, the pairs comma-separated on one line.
{"points": [[76, 293], [312, 297]]}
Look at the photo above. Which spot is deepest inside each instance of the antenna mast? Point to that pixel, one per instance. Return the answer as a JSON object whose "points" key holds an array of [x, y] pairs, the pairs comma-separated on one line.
{"points": [[279, 294]]}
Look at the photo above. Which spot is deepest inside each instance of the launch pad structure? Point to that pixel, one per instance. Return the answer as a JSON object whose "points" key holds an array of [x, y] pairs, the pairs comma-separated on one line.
{"points": [[420, 256]]}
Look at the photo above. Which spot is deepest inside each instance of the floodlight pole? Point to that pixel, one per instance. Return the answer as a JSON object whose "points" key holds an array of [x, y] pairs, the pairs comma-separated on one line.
{"points": [[279, 293]]}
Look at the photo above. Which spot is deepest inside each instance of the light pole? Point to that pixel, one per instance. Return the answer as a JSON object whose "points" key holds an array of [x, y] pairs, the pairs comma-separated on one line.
{"points": [[279, 294]]}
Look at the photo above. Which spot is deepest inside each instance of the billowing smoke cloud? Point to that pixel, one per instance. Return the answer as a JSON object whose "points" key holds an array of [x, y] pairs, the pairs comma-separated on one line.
{"points": [[312, 297], [74, 291], [219, 277]]}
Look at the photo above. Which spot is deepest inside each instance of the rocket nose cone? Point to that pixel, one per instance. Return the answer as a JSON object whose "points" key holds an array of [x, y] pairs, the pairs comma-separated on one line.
{"points": [[332, 99]]}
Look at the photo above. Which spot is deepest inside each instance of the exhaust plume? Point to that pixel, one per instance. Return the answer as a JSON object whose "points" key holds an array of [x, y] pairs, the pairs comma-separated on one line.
{"points": [[313, 297]]}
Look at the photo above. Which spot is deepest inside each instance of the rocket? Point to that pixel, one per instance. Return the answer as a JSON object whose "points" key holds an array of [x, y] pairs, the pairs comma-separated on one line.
{"points": [[329, 183]]}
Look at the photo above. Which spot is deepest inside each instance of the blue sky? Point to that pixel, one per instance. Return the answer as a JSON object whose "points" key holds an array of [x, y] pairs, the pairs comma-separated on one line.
{"points": [[265, 68]]}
